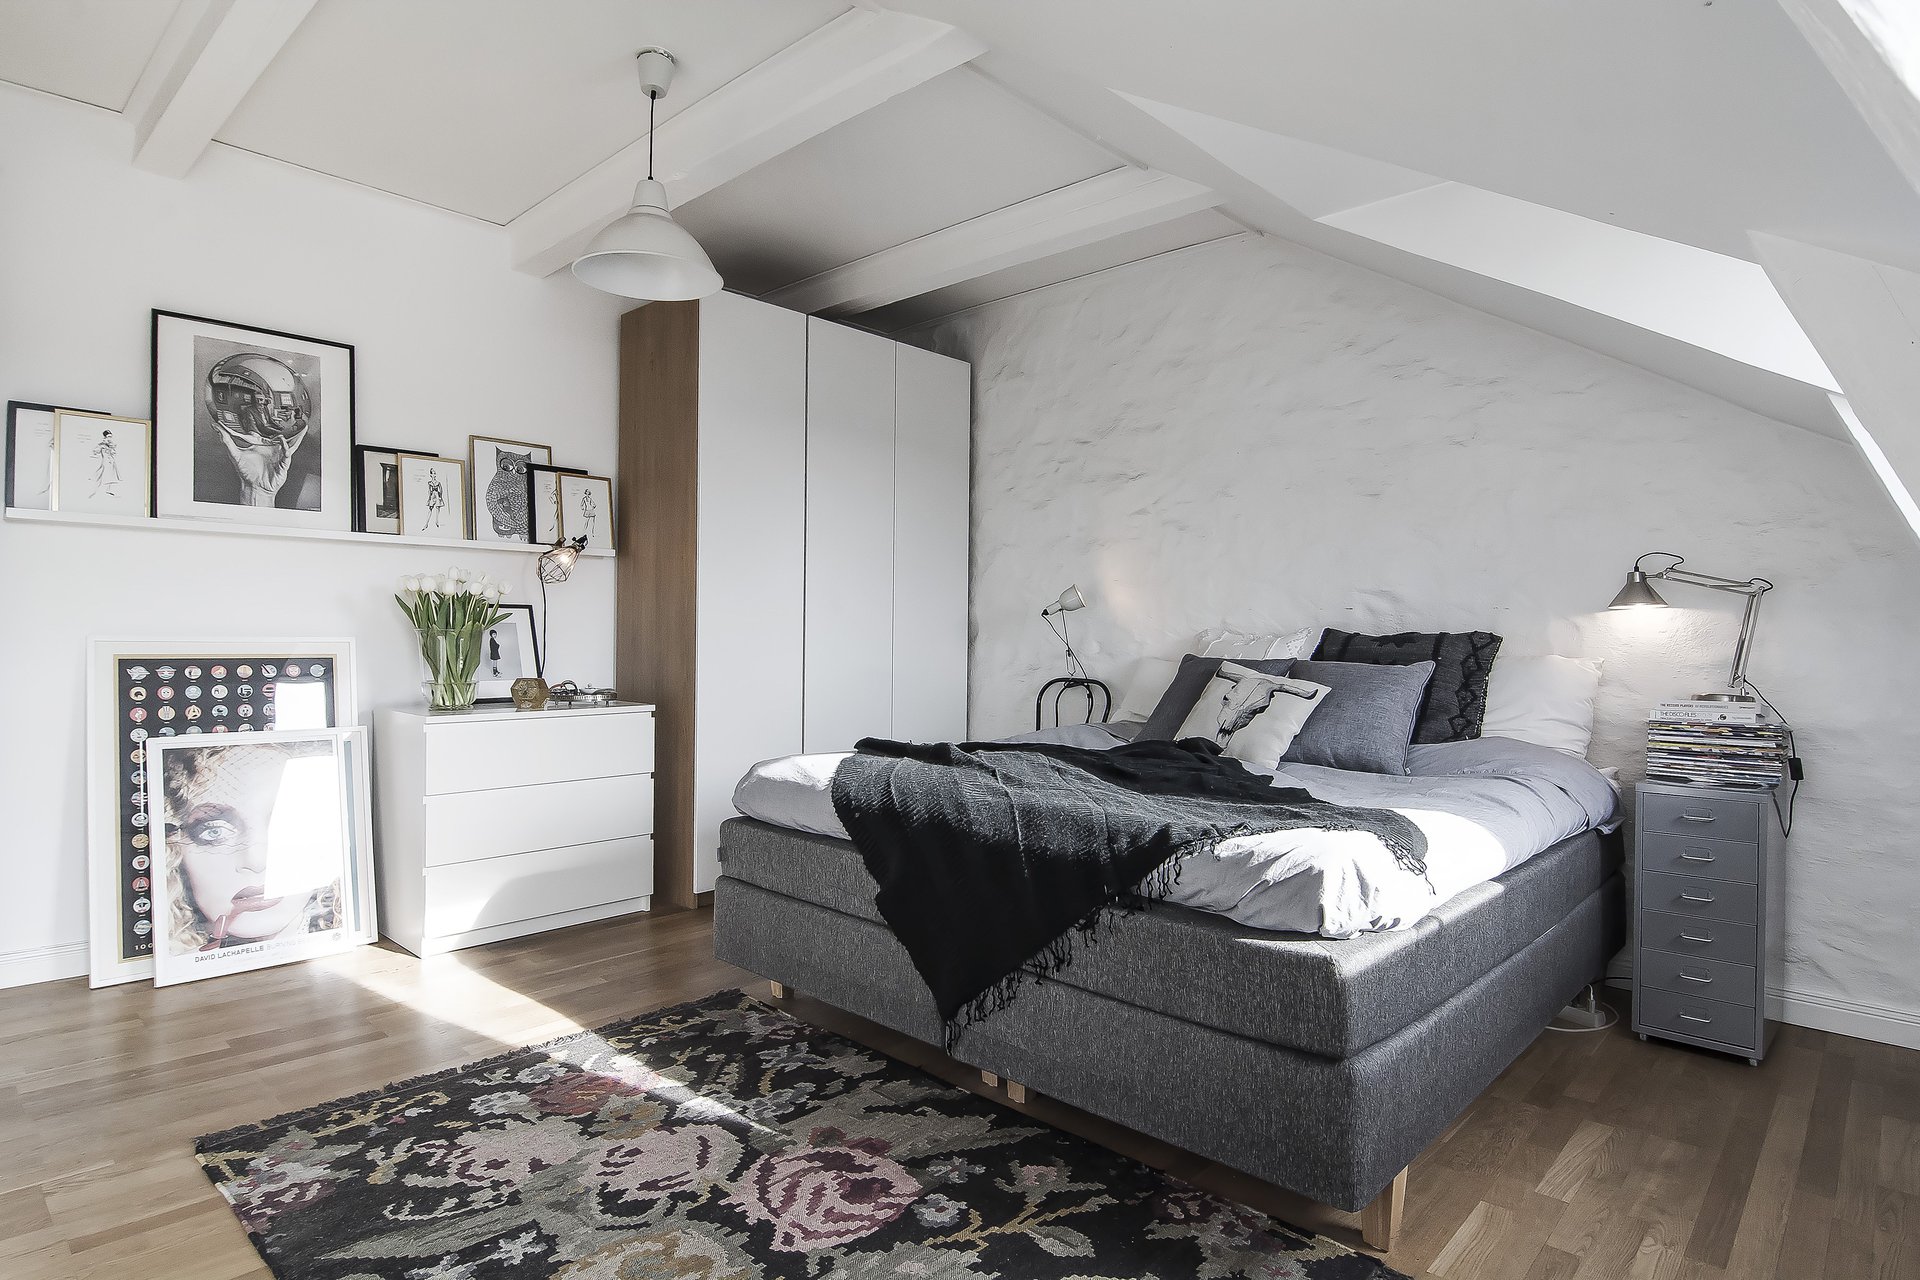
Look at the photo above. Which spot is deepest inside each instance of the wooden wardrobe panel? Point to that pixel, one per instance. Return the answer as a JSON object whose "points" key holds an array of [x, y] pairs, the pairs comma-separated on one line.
{"points": [[655, 572]]}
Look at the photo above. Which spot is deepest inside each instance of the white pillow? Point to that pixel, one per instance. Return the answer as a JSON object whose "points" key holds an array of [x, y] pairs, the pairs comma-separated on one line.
{"points": [[1216, 642], [1145, 683], [1547, 701], [1252, 715]]}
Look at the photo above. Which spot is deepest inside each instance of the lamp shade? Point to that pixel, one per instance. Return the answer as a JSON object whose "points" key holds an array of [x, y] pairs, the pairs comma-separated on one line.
{"points": [[1069, 600], [557, 562], [645, 254], [1638, 593]]}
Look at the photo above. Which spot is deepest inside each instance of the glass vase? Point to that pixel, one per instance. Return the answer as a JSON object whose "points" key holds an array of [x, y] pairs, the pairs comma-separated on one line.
{"points": [[452, 657]]}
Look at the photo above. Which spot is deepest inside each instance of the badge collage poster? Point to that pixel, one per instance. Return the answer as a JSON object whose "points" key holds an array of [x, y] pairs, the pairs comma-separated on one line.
{"points": [[164, 697]]}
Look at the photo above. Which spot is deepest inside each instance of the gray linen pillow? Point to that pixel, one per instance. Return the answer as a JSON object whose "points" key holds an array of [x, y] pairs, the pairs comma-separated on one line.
{"points": [[1189, 682], [1366, 722]]}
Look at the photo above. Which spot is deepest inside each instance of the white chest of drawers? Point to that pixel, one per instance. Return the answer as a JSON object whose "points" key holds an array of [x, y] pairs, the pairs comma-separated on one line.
{"points": [[498, 823]]}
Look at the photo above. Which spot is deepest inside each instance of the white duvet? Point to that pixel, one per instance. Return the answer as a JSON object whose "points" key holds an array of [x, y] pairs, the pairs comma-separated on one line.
{"points": [[1484, 806]]}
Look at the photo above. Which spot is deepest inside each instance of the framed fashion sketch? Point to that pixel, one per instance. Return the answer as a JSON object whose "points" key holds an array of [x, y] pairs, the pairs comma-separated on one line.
{"points": [[433, 496], [101, 464], [586, 510], [544, 511], [29, 475], [376, 489], [251, 425], [500, 473], [141, 691], [262, 850]]}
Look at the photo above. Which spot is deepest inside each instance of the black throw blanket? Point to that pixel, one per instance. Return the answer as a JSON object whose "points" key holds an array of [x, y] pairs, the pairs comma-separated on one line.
{"points": [[992, 857]]}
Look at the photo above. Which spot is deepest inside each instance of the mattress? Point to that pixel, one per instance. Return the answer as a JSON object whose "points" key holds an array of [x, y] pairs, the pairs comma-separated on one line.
{"points": [[1483, 806], [1331, 997]]}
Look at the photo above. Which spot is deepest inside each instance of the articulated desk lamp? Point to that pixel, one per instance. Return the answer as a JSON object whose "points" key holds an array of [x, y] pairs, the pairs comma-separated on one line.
{"points": [[1638, 593]]}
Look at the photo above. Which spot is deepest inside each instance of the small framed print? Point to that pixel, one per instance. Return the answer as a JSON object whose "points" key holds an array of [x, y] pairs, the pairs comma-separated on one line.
{"points": [[499, 470], [263, 854], [29, 475], [102, 464], [509, 650], [433, 496], [586, 510], [544, 511], [252, 425], [376, 489]]}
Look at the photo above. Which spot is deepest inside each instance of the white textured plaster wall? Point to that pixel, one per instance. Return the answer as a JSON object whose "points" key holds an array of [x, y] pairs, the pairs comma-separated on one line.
{"points": [[1251, 434]]}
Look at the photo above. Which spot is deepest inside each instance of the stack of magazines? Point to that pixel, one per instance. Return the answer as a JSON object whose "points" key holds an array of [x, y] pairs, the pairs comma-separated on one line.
{"points": [[1716, 744]]}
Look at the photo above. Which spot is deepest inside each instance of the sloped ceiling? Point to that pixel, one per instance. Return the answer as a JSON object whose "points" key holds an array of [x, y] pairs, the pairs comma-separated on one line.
{"points": [[900, 161]]}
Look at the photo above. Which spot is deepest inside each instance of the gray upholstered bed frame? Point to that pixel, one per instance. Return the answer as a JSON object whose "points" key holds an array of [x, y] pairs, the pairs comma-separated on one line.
{"points": [[1322, 1066]]}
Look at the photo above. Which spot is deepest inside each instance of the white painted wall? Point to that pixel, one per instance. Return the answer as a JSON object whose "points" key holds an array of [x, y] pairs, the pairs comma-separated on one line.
{"points": [[1251, 434], [450, 341]]}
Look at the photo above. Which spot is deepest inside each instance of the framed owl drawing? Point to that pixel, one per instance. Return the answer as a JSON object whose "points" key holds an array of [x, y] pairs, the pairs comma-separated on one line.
{"points": [[499, 471]]}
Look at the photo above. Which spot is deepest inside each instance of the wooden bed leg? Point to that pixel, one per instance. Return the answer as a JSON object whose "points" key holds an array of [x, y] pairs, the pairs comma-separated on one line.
{"points": [[1381, 1219], [779, 990], [989, 1079], [1016, 1092]]}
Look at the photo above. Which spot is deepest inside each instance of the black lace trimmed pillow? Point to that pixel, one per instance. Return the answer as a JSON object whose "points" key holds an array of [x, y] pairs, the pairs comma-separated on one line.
{"points": [[1456, 699]]}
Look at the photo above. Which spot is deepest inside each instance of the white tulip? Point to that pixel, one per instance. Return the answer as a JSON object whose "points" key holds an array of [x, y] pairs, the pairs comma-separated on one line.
{"points": [[475, 589], [494, 593], [441, 586], [406, 583], [458, 574]]}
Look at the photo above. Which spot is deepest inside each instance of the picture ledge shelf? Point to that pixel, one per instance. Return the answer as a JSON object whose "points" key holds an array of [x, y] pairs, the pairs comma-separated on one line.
{"points": [[177, 524]]}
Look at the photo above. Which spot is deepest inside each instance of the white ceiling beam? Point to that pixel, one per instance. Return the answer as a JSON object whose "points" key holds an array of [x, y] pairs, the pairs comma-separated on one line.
{"points": [[210, 54], [1100, 207], [850, 65]]}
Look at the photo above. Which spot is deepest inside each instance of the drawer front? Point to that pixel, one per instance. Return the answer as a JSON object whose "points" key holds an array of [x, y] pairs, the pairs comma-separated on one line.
{"points": [[1706, 816], [490, 824], [479, 755], [1704, 939], [477, 895], [1697, 856], [1703, 899], [1696, 978], [1734, 1025]]}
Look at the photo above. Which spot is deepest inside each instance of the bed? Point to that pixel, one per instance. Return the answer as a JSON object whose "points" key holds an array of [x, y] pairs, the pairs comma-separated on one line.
{"points": [[1226, 1021]]}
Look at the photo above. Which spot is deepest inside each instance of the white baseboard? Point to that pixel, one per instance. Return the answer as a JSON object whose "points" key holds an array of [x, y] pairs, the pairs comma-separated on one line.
{"points": [[1846, 1017], [43, 964]]}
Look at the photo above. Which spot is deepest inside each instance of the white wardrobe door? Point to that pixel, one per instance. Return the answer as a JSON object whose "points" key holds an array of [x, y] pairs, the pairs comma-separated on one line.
{"points": [[931, 457], [752, 524], [849, 552]]}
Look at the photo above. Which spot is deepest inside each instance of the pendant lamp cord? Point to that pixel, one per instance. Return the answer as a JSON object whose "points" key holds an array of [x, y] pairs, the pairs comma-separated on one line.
{"points": [[652, 98]]}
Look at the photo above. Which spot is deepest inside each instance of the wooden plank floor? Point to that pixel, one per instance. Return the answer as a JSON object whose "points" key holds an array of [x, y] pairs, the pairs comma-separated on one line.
{"points": [[1593, 1156]]}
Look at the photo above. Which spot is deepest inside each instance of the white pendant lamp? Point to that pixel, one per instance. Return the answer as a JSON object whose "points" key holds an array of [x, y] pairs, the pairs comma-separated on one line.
{"points": [[645, 254]]}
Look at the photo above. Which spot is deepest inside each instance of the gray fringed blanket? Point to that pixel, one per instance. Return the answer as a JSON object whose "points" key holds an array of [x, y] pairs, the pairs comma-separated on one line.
{"points": [[993, 857]]}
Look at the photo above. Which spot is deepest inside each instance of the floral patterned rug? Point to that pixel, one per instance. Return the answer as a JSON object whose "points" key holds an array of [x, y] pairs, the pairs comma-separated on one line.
{"points": [[720, 1140]]}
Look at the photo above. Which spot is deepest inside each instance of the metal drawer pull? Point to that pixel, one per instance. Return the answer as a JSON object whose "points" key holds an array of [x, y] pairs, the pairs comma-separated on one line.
{"points": [[1688, 937], [1696, 817], [1703, 899], [1697, 857], [1695, 978], [1693, 1017]]}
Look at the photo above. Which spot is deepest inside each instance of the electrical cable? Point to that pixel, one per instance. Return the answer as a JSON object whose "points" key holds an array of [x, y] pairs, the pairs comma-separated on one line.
{"points": [[1794, 770]]}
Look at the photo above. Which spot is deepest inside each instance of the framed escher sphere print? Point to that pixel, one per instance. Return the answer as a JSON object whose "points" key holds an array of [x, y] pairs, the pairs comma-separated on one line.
{"points": [[251, 425]]}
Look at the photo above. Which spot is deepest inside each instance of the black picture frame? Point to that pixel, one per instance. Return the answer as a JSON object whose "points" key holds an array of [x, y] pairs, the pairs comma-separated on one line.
{"points": [[533, 514], [163, 423], [533, 633], [360, 453], [13, 422]]}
